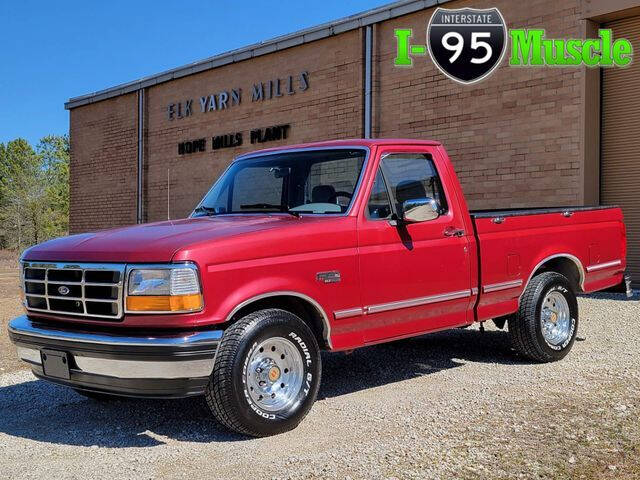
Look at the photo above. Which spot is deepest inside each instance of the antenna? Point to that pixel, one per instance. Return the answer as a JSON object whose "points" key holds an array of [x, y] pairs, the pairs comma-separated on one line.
{"points": [[168, 196]]}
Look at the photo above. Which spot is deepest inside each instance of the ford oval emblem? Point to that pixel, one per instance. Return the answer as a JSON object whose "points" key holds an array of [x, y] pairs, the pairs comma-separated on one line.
{"points": [[63, 290]]}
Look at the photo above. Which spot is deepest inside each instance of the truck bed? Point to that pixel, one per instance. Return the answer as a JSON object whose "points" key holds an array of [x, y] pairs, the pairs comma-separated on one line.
{"points": [[583, 242]]}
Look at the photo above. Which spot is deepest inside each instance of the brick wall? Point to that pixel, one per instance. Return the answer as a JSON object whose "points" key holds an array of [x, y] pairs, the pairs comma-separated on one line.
{"points": [[513, 137], [103, 164], [330, 108]]}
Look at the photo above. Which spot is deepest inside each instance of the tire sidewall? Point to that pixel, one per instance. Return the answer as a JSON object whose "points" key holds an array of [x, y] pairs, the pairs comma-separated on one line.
{"points": [[561, 285], [285, 325]]}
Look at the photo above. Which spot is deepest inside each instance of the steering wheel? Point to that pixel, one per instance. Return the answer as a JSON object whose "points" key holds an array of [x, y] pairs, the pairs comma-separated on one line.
{"points": [[334, 197]]}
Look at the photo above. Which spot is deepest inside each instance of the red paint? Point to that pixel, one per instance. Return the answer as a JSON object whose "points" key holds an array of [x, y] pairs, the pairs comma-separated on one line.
{"points": [[243, 256]]}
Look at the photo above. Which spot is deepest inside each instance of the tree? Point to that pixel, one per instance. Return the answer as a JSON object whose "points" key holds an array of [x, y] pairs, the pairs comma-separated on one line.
{"points": [[54, 152], [34, 191]]}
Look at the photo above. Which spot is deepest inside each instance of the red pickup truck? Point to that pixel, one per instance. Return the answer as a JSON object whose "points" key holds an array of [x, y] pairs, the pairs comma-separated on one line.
{"points": [[325, 246]]}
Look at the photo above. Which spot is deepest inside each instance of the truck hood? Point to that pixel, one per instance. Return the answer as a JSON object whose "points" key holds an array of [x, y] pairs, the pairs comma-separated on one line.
{"points": [[152, 242]]}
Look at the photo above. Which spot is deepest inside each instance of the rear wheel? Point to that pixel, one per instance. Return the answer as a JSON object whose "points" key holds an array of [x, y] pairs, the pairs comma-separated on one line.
{"points": [[266, 374], [545, 326]]}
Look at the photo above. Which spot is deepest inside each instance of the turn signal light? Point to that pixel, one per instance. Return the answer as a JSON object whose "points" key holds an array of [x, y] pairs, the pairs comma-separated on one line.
{"points": [[165, 303]]}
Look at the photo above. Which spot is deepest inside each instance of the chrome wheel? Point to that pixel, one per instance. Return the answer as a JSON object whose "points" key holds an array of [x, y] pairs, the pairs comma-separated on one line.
{"points": [[555, 318], [274, 374]]}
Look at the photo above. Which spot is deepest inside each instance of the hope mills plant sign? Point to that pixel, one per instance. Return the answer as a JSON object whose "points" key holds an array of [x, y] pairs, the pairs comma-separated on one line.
{"points": [[224, 99], [235, 139]]}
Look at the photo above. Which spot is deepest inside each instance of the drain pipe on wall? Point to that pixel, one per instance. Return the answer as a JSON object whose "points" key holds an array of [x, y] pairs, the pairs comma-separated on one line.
{"points": [[139, 216], [368, 54]]}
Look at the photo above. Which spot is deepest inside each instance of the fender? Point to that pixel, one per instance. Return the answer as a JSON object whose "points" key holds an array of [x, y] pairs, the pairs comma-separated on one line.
{"points": [[573, 258], [325, 319]]}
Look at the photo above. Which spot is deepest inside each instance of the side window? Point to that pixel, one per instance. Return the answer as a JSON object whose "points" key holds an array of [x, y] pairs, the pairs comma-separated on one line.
{"points": [[411, 176], [379, 205]]}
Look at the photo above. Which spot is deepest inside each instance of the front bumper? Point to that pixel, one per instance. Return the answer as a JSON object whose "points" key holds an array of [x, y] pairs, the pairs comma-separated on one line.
{"points": [[161, 365]]}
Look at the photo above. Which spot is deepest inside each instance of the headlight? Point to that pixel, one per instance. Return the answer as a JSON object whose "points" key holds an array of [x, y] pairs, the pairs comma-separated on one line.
{"points": [[164, 289]]}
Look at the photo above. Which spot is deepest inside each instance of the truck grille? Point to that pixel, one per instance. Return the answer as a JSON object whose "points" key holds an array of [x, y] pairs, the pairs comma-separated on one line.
{"points": [[88, 290]]}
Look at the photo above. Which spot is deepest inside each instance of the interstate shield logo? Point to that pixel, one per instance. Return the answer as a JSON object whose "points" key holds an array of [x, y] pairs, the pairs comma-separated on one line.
{"points": [[467, 44]]}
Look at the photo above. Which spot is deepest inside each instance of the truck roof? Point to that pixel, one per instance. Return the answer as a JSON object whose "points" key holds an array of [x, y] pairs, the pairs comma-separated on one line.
{"points": [[354, 142]]}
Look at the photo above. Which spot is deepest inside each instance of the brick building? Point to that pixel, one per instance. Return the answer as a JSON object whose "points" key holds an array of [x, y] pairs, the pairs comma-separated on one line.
{"points": [[521, 137]]}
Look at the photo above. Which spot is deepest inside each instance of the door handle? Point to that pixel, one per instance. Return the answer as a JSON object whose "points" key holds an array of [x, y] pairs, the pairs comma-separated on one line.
{"points": [[453, 232]]}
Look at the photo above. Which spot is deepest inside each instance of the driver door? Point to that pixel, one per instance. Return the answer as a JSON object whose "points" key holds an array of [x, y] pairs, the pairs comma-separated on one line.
{"points": [[415, 277]]}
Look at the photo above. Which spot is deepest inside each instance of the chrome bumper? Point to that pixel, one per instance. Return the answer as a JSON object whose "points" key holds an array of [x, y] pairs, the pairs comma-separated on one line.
{"points": [[160, 365]]}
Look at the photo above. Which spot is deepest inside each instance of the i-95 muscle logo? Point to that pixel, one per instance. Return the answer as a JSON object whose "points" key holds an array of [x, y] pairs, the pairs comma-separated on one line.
{"points": [[468, 44]]}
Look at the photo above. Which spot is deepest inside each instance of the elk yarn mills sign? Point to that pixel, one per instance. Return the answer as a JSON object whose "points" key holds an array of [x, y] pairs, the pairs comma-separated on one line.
{"points": [[222, 100]]}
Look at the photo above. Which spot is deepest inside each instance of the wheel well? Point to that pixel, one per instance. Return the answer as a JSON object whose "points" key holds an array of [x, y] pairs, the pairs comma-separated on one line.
{"points": [[565, 266], [300, 307]]}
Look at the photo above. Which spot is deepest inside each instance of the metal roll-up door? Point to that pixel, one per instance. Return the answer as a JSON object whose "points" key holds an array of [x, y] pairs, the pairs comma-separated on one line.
{"points": [[620, 140]]}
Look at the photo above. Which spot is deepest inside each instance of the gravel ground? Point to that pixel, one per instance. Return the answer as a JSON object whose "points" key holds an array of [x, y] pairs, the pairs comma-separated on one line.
{"points": [[455, 404]]}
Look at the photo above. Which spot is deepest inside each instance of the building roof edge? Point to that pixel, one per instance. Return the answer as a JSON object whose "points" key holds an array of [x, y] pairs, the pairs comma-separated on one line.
{"points": [[311, 34]]}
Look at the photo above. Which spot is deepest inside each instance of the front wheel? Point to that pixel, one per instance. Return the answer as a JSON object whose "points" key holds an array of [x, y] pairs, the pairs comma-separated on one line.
{"points": [[545, 326], [266, 374]]}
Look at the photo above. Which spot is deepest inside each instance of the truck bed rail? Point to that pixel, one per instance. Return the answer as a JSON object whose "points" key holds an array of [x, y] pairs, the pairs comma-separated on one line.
{"points": [[533, 211]]}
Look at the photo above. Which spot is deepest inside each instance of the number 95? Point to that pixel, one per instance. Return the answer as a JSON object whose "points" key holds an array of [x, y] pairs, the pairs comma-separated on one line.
{"points": [[457, 45]]}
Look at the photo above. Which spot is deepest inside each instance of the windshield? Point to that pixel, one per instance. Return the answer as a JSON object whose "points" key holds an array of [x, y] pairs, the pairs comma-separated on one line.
{"points": [[316, 181]]}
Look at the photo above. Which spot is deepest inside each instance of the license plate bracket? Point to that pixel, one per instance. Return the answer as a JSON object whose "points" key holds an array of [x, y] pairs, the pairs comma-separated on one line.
{"points": [[55, 364]]}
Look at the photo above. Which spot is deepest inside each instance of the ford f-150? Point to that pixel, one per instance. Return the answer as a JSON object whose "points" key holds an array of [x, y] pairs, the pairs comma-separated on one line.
{"points": [[325, 246]]}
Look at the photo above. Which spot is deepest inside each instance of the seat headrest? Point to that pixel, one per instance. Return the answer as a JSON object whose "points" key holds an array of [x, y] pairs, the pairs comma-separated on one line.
{"points": [[323, 194], [410, 190]]}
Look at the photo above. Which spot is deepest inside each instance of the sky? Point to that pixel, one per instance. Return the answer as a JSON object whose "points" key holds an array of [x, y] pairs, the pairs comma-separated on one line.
{"points": [[51, 51]]}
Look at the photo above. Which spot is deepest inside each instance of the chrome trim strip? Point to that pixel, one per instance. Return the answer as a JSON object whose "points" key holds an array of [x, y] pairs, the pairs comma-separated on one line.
{"points": [[92, 267], [58, 282], [602, 266], [573, 258], [349, 312], [23, 326], [325, 318], [413, 302], [474, 291], [57, 297], [30, 355], [144, 369], [74, 266], [111, 367], [494, 287]]}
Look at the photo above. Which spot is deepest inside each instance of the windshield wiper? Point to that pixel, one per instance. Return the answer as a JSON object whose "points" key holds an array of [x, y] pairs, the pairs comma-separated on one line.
{"points": [[206, 210], [269, 206]]}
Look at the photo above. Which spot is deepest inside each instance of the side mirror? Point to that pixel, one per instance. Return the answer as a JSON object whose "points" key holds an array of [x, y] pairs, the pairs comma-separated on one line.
{"points": [[420, 210]]}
